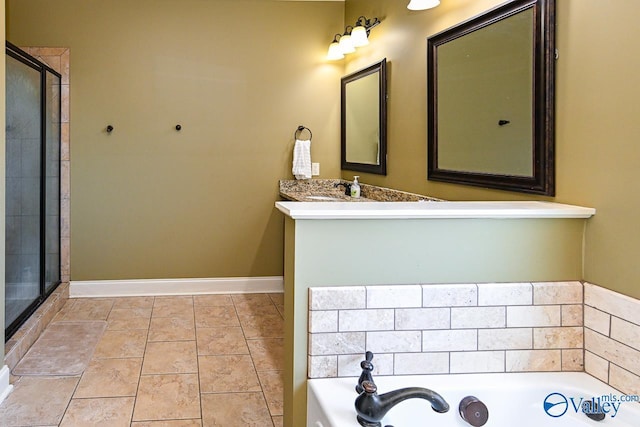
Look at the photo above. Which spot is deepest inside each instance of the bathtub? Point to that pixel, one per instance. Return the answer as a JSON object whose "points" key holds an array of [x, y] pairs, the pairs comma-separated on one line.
{"points": [[513, 400]]}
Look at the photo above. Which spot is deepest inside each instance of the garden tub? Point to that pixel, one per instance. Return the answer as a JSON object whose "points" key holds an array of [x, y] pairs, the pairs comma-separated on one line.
{"points": [[560, 399]]}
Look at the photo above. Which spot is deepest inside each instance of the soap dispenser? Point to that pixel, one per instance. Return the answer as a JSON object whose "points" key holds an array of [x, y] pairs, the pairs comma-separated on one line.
{"points": [[355, 187]]}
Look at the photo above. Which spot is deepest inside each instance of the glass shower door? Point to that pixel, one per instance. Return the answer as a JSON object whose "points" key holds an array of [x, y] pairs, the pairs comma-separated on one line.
{"points": [[32, 208], [23, 161]]}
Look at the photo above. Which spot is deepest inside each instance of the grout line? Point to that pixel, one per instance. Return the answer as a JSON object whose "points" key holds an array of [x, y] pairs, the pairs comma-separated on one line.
{"points": [[195, 337]]}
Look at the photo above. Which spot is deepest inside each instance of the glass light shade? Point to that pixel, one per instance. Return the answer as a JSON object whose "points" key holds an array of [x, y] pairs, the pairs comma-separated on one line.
{"points": [[359, 36], [422, 4], [334, 52], [346, 46]]}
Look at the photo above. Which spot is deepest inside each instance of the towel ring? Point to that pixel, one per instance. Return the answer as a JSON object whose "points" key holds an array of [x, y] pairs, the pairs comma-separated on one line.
{"points": [[300, 129]]}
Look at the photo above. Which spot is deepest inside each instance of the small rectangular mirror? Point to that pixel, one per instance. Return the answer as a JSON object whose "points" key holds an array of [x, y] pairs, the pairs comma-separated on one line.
{"points": [[364, 120]]}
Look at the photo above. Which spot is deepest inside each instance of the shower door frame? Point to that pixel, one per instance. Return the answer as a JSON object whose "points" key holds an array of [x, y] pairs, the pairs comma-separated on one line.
{"points": [[20, 55]]}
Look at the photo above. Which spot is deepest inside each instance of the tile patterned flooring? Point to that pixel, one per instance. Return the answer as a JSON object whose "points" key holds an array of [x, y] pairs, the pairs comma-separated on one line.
{"points": [[201, 360]]}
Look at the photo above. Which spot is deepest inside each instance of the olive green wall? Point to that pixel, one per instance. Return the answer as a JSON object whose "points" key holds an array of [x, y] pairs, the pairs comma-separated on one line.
{"points": [[239, 76], [597, 135], [150, 202]]}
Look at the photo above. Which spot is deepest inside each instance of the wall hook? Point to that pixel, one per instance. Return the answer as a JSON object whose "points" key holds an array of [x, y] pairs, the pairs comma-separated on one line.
{"points": [[109, 128], [503, 122], [178, 127]]}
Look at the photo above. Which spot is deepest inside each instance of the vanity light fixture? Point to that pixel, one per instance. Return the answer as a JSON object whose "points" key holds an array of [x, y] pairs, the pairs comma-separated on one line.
{"points": [[346, 45], [352, 38], [422, 4], [335, 52], [360, 34]]}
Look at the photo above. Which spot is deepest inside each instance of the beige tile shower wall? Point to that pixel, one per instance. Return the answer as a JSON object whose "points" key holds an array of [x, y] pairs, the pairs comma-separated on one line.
{"points": [[429, 329], [612, 338], [58, 59]]}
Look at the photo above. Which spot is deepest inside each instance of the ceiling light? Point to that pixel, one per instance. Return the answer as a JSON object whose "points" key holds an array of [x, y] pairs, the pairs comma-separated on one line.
{"points": [[422, 4]]}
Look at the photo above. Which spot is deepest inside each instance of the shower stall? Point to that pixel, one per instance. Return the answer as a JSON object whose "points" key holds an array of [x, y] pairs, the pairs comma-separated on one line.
{"points": [[32, 176]]}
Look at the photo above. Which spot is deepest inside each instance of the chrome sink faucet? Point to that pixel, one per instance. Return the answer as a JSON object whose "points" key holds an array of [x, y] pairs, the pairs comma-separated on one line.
{"points": [[372, 407]]}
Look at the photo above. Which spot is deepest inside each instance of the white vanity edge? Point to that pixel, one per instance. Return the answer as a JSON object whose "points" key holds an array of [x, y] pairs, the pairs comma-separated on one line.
{"points": [[426, 210]]}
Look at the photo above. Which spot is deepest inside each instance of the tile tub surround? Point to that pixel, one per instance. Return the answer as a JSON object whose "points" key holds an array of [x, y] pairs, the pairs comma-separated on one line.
{"points": [[612, 338], [299, 190], [437, 329], [469, 328]]}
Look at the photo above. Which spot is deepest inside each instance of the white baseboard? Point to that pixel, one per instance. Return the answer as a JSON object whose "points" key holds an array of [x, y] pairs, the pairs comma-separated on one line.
{"points": [[5, 387], [158, 287]]}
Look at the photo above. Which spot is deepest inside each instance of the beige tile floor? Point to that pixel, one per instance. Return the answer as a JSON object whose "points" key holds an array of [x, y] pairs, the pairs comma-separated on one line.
{"points": [[202, 360]]}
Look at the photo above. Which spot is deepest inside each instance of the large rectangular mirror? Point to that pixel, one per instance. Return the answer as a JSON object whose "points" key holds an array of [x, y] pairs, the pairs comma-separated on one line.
{"points": [[364, 120], [491, 99]]}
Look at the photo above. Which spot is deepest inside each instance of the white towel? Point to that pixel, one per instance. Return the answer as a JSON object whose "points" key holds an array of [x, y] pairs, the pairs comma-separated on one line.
{"points": [[302, 159]]}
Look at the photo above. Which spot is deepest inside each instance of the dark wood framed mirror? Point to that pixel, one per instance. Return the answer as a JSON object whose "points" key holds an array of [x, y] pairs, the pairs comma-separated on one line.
{"points": [[364, 120], [491, 99]]}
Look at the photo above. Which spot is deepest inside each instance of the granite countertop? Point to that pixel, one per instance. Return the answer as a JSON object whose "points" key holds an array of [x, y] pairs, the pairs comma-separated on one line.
{"points": [[325, 190], [302, 197]]}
